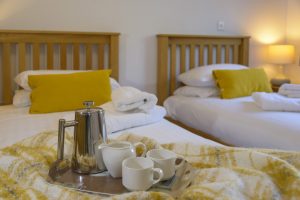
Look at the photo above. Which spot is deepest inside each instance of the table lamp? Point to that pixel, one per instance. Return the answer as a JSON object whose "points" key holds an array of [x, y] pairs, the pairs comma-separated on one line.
{"points": [[281, 55]]}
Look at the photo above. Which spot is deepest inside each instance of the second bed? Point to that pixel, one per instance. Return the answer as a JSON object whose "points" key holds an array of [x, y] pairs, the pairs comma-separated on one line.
{"points": [[238, 122]]}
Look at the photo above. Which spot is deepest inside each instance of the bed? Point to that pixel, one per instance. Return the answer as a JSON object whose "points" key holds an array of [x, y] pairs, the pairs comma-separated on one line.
{"points": [[24, 166], [23, 50], [237, 122]]}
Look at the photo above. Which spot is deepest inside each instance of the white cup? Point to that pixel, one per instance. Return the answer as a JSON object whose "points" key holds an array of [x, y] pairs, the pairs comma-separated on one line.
{"points": [[165, 160], [114, 153], [138, 174]]}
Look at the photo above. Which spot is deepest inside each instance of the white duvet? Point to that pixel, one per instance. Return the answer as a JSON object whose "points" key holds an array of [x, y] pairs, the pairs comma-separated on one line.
{"points": [[238, 121], [17, 124]]}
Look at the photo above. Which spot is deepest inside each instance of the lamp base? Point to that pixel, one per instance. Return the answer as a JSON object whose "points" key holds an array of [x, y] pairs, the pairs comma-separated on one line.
{"points": [[279, 81]]}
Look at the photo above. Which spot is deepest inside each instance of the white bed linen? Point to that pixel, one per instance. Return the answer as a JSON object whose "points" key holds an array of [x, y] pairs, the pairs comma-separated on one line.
{"points": [[17, 124], [237, 121]]}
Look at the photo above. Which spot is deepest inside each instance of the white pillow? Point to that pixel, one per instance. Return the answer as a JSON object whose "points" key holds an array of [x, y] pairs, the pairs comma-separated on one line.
{"points": [[114, 84], [202, 92], [202, 76], [22, 78], [22, 98]]}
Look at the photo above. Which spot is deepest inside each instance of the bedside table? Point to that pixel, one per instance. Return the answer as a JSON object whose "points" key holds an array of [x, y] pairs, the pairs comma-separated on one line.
{"points": [[277, 82], [275, 88]]}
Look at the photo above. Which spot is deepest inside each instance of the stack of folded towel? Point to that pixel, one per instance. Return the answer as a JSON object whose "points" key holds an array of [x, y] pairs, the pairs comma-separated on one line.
{"points": [[285, 100], [132, 99], [290, 90], [276, 102]]}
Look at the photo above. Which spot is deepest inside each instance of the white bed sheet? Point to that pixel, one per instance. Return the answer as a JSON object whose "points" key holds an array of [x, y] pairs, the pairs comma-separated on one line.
{"points": [[237, 121], [17, 124]]}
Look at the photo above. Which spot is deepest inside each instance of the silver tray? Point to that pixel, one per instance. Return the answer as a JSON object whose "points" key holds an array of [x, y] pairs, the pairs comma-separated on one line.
{"points": [[60, 173]]}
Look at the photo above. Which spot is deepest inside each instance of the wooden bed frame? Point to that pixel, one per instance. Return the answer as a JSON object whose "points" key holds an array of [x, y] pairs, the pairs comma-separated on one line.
{"points": [[23, 50], [179, 53]]}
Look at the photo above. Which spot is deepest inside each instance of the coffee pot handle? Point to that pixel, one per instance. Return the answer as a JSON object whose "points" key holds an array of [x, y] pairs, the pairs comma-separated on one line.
{"points": [[62, 124]]}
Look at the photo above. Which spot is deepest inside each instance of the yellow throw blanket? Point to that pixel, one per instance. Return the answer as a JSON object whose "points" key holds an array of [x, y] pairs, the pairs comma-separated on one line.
{"points": [[222, 172]]}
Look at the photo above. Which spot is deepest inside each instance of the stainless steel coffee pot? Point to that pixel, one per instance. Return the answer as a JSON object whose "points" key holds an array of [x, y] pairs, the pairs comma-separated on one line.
{"points": [[89, 132]]}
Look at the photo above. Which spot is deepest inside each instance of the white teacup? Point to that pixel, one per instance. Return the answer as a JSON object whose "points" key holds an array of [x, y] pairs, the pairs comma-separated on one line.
{"points": [[138, 174], [114, 153], [165, 160]]}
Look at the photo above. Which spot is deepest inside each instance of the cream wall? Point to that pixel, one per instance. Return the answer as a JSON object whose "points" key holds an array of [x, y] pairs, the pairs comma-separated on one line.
{"points": [[140, 20], [293, 37]]}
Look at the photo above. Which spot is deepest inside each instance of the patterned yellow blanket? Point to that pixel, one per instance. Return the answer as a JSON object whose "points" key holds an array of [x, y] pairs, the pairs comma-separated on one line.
{"points": [[222, 172]]}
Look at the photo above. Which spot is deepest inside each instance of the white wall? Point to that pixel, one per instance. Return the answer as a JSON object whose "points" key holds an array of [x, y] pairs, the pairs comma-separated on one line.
{"points": [[140, 20], [293, 37]]}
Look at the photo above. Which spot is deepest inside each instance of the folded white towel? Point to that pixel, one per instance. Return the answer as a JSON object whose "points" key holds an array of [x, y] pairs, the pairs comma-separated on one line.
{"points": [[294, 95], [286, 86], [290, 90], [287, 92], [129, 99], [276, 102], [117, 121]]}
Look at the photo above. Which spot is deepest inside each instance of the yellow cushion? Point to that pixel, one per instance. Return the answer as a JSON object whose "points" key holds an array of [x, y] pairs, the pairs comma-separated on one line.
{"points": [[239, 83], [63, 92]]}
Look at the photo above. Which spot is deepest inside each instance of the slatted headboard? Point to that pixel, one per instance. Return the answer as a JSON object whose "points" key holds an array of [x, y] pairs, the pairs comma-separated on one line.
{"points": [[178, 53], [23, 50]]}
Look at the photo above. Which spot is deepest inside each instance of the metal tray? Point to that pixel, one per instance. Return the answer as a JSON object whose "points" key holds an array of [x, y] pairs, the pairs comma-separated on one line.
{"points": [[60, 173]]}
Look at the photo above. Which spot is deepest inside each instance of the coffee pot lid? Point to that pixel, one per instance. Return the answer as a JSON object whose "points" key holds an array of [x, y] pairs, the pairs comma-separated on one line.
{"points": [[88, 108]]}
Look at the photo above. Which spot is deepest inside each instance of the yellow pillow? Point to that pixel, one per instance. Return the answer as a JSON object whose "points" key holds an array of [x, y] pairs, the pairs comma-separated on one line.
{"points": [[63, 92], [239, 83]]}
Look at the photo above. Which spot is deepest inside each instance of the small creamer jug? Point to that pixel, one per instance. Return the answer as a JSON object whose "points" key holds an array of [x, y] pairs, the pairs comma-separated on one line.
{"points": [[115, 152]]}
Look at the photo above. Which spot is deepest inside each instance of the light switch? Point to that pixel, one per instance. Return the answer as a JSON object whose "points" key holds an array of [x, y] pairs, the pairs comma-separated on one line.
{"points": [[220, 25]]}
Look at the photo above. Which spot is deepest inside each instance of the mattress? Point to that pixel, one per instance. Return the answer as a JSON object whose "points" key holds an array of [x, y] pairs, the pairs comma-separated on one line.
{"points": [[237, 121], [17, 124]]}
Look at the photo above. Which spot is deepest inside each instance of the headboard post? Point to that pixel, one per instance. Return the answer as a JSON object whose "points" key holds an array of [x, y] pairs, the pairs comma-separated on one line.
{"points": [[7, 89], [162, 69], [114, 56], [244, 49]]}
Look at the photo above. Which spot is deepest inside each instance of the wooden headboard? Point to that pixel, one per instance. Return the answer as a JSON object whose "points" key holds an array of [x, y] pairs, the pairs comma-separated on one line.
{"points": [[179, 53], [23, 50]]}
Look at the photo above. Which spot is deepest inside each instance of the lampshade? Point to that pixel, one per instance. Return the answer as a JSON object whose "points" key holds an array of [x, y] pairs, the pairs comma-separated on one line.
{"points": [[281, 54]]}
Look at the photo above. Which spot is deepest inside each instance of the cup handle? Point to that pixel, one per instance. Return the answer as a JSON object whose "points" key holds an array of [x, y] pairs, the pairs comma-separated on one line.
{"points": [[181, 162], [160, 174], [143, 147]]}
